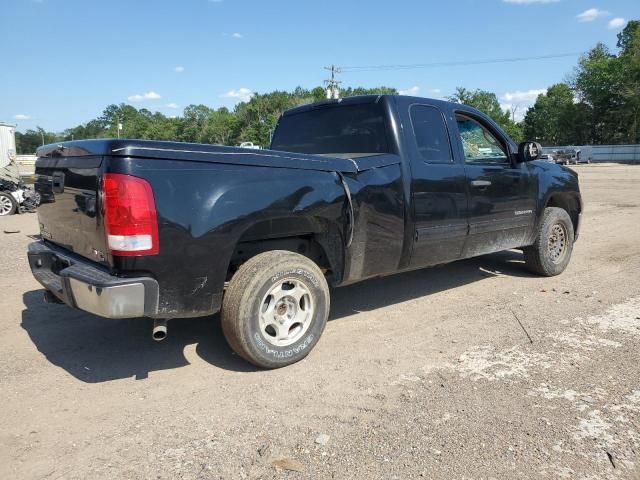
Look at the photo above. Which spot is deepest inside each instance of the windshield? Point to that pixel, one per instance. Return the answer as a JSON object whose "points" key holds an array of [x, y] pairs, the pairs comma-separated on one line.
{"points": [[337, 129]]}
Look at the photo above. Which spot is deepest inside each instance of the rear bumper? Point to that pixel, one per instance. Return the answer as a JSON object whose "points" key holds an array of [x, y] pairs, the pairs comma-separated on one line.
{"points": [[83, 285]]}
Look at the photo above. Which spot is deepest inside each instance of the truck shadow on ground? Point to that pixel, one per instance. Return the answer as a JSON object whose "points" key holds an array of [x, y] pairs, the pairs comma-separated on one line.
{"points": [[96, 350]]}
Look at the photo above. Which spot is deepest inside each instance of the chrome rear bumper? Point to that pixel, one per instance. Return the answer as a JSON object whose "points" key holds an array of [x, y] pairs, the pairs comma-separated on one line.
{"points": [[81, 284]]}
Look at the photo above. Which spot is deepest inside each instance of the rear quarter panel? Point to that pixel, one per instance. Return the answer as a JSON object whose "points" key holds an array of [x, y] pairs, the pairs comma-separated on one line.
{"points": [[204, 209]]}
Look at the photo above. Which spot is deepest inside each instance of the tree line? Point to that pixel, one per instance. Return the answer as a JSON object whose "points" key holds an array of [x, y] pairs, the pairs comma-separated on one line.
{"points": [[599, 103], [251, 121]]}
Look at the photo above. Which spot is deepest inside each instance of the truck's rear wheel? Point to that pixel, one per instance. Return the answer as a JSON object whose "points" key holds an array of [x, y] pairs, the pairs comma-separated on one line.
{"points": [[275, 309], [8, 205], [551, 252]]}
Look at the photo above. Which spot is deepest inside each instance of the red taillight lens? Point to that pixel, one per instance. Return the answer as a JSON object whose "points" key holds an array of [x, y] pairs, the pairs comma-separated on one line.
{"points": [[130, 218]]}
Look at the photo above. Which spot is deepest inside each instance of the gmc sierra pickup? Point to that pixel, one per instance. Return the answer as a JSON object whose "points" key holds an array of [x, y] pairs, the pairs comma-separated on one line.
{"points": [[351, 189]]}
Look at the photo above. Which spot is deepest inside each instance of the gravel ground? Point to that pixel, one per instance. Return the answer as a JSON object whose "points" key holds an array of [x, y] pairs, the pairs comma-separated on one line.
{"points": [[471, 370]]}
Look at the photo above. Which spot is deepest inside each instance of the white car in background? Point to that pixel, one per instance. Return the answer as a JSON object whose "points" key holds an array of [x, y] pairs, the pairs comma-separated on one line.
{"points": [[250, 145]]}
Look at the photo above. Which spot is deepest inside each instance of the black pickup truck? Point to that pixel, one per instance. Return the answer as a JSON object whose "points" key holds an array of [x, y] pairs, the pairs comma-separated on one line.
{"points": [[351, 189]]}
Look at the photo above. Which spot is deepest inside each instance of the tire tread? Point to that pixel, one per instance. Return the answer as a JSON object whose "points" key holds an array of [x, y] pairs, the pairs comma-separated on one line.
{"points": [[237, 298], [534, 255]]}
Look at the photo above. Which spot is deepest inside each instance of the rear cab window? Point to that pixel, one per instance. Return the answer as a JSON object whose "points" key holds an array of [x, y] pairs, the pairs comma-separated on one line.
{"points": [[334, 129]]}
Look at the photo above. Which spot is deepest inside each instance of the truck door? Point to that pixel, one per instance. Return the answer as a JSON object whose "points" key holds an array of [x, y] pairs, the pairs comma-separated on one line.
{"points": [[438, 191], [501, 193]]}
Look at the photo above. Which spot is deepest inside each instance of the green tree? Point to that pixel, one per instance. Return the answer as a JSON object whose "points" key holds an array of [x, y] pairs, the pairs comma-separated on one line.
{"points": [[193, 124], [253, 120], [552, 119], [629, 38], [598, 83], [220, 127], [350, 92], [28, 142], [629, 44], [601, 104]]}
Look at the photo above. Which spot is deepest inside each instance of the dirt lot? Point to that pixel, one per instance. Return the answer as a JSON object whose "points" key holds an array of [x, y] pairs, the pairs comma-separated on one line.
{"points": [[471, 370]]}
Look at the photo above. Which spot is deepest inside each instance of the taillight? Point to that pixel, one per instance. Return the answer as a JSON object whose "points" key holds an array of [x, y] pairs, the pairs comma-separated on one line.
{"points": [[130, 218]]}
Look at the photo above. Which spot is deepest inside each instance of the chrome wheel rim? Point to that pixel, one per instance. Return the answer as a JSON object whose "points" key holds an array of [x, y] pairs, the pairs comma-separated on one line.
{"points": [[5, 205], [557, 243], [286, 312]]}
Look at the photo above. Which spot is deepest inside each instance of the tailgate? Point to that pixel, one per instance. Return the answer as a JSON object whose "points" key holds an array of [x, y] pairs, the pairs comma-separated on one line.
{"points": [[69, 214]]}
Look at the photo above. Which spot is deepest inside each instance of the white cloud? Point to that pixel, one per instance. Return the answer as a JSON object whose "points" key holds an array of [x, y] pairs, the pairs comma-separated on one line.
{"points": [[518, 101], [243, 94], [172, 105], [527, 96], [237, 35], [591, 14], [22, 116], [145, 96], [527, 2], [616, 23], [179, 69], [412, 91]]}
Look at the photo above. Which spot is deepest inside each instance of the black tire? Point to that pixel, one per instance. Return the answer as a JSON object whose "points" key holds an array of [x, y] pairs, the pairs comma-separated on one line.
{"points": [[551, 252], [249, 296], [7, 199]]}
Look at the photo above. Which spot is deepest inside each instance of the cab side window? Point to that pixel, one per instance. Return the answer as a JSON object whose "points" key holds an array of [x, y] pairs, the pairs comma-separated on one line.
{"points": [[430, 132], [479, 144]]}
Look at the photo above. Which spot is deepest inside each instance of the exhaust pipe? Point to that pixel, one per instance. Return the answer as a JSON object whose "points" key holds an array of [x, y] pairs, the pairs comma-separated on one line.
{"points": [[51, 298], [159, 330]]}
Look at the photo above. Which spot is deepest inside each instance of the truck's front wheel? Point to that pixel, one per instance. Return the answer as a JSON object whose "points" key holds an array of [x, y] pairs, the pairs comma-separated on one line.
{"points": [[275, 309], [551, 252]]}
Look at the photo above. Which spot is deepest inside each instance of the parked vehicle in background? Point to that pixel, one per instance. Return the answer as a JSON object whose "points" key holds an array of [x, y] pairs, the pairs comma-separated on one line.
{"points": [[250, 145], [547, 157], [581, 158], [568, 156], [351, 189], [15, 196]]}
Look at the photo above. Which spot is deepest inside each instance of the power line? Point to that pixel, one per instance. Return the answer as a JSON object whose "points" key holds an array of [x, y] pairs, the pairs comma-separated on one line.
{"points": [[370, 68]]}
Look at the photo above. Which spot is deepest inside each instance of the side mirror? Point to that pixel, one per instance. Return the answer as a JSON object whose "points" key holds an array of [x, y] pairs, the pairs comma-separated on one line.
{"points": [[528, 151]]}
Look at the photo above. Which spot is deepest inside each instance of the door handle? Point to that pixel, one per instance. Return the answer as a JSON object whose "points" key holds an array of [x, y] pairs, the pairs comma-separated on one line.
{"points": [[481, 183]]}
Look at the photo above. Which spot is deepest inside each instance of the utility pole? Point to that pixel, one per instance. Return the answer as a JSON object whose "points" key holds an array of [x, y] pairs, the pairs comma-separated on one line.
{"points": [[514, 111], [333, 85]]}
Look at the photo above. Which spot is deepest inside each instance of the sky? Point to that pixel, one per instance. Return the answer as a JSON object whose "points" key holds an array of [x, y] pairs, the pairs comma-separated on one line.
{"points": [[66, 60]]}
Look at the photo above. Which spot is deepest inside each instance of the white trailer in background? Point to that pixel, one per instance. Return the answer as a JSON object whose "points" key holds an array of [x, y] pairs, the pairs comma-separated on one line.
{"points": [[8, 167]]}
